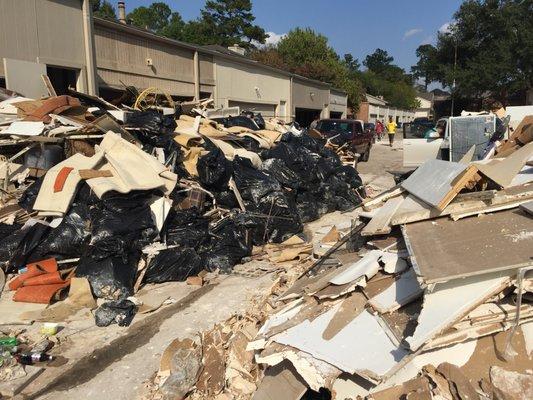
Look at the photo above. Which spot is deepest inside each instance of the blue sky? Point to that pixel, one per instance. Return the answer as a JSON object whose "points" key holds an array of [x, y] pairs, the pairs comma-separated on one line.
{"points": [[352, 26]]}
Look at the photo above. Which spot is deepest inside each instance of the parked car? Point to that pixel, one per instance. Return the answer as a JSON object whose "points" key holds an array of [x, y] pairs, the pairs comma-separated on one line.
{"points": [[351, 131], [370, 127]]}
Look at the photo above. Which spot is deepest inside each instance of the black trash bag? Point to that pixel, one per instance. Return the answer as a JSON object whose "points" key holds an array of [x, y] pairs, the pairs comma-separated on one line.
{"points": [[275, 217], [115, 312], [124, 215], [173, 265], [345, 196], [31, 238], [152, 122], [307, 207], [325, 198], [253, 184], [187, 228], [10, 237], [303, 140], [110, 265], [278, 169], [249, 144], [351, 177], [226, 198], [228, 244], [69, 239], [27, 200], [214, 170]]}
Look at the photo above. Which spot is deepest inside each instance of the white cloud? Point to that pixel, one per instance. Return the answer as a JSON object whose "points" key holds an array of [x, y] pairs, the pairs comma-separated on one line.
{"points": [[445, 28], [411, 32], [428, 40], [274, 38]]}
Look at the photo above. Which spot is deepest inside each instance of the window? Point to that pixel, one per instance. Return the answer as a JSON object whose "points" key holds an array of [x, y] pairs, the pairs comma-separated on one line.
{"points": [[334, 127]]}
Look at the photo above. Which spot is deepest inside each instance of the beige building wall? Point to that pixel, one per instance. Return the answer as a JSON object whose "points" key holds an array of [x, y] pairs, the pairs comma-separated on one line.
{"points": [[338, 103], [141, 59], [310, 95], [253, 86], [48, 32]]}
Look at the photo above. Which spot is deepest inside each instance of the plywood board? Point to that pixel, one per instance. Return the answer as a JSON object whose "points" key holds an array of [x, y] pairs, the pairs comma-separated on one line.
{"points": [[24, 77], [434, 180], [442, 249]]}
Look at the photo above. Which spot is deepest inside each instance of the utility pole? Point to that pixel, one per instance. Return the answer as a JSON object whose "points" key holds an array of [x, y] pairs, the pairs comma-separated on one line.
{"points": [[453, 84]]}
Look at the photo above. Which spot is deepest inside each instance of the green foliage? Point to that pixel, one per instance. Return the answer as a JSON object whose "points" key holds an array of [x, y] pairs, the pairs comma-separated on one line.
{"points": [[427, 66], [383, 78], [351, 63], [307, 53], [494, 43], [155, 17], [103, 9], [222, 22]]}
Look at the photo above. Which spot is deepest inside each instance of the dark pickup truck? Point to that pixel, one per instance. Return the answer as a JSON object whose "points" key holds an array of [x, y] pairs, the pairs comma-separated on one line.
{"points": [[341, 131]]}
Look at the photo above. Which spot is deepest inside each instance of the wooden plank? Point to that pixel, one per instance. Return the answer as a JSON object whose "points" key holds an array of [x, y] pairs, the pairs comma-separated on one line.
{"points": [[382, 197], [49, 86], [380, 223], [471, 174], [443, 250], [486, 210], [413, 210]]}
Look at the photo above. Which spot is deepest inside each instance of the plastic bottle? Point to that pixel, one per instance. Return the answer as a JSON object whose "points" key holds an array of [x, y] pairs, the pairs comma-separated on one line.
{"points": [[31, 358]]}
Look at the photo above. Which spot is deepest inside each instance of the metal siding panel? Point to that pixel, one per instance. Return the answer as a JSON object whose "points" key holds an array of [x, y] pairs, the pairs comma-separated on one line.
{"points": [[18, 33], [60, 30]]}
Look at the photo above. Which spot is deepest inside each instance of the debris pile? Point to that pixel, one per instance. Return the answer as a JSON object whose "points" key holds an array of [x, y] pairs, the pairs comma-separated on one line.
{"points": [[121, 197], [429, 296]]}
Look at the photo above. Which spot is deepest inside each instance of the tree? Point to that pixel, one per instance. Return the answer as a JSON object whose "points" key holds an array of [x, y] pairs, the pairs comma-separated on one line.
{"points": [[103, 9], [307, 53], [351, 63], [226, 23], [379, 61], [493, 40], [426, 67], [154, 17], [174, 28]]}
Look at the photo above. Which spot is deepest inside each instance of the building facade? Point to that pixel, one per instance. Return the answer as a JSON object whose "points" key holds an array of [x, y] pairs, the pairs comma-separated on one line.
{"points": [[103, 57], [375, 108]]}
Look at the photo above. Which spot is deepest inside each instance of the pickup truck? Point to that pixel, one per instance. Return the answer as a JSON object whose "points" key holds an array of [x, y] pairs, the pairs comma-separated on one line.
{"points": [[341, 131], [450, 139]]}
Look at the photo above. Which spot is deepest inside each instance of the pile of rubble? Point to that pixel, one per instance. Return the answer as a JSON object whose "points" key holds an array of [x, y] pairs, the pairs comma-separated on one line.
{"points": [[99, 200], [428, 297]]}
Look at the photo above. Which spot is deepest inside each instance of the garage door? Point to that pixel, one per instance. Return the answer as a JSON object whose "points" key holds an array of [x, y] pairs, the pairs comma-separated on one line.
{"points": [[266, 110]]}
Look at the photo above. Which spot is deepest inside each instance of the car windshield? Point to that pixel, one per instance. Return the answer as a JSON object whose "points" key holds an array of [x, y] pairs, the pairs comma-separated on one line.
{"points": [[334, 126]]}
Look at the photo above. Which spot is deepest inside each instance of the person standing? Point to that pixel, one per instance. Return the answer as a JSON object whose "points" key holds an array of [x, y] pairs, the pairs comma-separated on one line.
{"points": [[315, 122], [391, 130], [379, 129]]}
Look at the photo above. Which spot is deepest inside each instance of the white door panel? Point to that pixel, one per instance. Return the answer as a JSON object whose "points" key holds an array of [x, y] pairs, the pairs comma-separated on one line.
{"points": [[418, 151]]}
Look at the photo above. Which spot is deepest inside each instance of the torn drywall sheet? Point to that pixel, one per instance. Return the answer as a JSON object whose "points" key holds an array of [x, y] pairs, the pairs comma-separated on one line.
{"points": [[450, 301], [405, 289], [361, 347], [367, 266]]}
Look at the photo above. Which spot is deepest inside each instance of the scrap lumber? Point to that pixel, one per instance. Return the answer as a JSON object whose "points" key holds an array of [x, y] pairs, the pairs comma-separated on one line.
{"points": [[522, 134], [382, 198], [443, 250], [380, 223], [413, 209], [503, 171]]}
